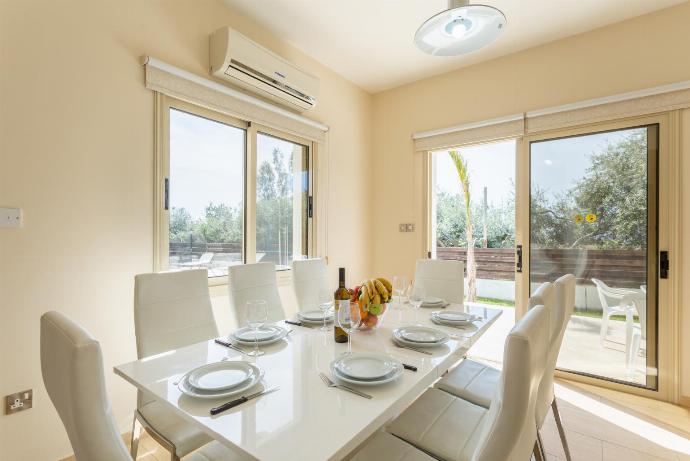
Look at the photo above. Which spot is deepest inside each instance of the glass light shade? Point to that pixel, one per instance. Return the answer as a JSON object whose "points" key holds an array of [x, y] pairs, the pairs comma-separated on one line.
{"points": [[460, 30]]}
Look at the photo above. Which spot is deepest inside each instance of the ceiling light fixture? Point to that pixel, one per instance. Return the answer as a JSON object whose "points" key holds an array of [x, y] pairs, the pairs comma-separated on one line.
{"points": [[460, 29]]}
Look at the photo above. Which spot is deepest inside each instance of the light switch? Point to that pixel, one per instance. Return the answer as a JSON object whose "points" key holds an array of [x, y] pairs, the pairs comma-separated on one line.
{"points": [[10, 217]]}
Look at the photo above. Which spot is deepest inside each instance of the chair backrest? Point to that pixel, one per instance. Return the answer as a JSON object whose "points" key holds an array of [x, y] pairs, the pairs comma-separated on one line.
{"points": [[254, 281], [72, 368], [559, 297], [309, 277], [172, 310], [205, 258], [509, 429], [441, 278]]}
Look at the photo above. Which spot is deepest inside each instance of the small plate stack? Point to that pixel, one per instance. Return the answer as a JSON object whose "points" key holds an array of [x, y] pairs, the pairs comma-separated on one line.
{"points": [[433, 302], [220, 379], [453, 318], [366, 369], [419, 336], [265, 335], [315, 316]]}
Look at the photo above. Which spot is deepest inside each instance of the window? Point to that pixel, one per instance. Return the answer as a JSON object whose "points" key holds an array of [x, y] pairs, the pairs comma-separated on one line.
{"points": [[232, 192], [282, 200], [476, 185]]}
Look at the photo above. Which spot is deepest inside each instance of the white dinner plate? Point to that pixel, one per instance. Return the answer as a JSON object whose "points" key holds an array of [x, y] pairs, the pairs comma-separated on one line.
{"points": [[281, 333], [429, 300], [315, 315], [393, 375], [219, 376], [454, 316], [364, 366], [419, 334], [186, 388], [264, 333], [463, 325]]}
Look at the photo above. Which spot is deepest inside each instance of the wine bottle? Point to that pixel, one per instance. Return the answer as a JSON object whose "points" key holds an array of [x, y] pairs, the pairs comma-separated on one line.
{"points": [[342, 301]]}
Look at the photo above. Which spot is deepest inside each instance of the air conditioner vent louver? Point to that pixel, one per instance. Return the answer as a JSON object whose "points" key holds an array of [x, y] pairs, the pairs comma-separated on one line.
{"points": [[266, 79], [237, 59]]}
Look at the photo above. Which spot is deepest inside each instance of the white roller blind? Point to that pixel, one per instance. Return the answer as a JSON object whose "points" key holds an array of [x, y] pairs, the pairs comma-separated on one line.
{"points": [[186, 86], [633, 104], [471, 133]]}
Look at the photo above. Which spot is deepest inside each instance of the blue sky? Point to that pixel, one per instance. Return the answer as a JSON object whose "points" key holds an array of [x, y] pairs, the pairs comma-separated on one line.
{"points": [[207, 161]]}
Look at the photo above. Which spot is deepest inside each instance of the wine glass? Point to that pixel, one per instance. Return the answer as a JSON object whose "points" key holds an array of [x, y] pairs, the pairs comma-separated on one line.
{"points": [[257, 315], [349, 318], [325, 304], [399, 286], [417, 298]]}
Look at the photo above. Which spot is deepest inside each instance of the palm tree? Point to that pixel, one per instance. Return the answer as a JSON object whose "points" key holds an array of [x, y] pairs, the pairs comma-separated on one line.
{"points": [[464, 175]]}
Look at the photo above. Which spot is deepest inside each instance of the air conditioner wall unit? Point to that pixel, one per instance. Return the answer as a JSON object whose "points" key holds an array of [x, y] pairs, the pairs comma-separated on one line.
{"points": [[240, 61]]}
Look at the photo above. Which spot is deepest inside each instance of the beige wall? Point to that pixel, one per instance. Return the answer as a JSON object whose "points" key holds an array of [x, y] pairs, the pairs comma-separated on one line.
{"points": [[76, 140], [603, 62]]}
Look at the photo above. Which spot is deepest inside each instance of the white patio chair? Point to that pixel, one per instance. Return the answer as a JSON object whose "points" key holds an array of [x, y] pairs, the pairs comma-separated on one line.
{"points": [[638, 333], [72, 368], [203, 261], [441, 278], [617, 301], [171, 310], [309, 278], [254, 281], [452, 429]]}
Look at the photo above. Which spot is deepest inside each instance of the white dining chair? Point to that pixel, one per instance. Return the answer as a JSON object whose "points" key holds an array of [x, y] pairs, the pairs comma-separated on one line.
{"points": [[309, 278], [476, 382], [72, 368], [441, 278], [254, 281], [171, 310], [453, 429]]}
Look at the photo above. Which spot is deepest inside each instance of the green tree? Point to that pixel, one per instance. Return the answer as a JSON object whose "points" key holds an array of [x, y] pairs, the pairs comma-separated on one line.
{"points": [[180, 224], [464, 177], [613, 190]]}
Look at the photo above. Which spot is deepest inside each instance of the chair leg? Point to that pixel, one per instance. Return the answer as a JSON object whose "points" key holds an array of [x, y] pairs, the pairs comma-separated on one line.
{"points": [[136, 433], [538, 452], [604, 327], [561, 431]]}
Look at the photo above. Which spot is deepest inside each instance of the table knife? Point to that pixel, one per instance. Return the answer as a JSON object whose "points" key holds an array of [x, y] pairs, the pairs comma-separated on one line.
{"points": [[241, 400]]}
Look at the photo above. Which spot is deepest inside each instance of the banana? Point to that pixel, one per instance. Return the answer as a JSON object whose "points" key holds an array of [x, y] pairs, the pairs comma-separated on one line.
{"points": [[371, 288], [376, 300], [381, 289], [386, 283], [364, 295]]}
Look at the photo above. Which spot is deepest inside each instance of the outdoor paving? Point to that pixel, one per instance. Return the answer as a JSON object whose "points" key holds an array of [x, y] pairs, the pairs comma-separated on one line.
{"points": [[581, 348]]}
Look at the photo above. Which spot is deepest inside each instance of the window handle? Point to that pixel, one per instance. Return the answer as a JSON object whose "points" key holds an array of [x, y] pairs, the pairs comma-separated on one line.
{"points": [[166, 199], [518, 257]]}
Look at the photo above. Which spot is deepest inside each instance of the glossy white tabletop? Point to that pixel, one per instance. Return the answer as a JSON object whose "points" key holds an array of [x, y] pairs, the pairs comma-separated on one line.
{"points": [[306, 420]]}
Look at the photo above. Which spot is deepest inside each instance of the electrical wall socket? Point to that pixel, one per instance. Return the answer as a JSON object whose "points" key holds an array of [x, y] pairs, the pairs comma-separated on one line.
{"points": [[20, 401], [406, 227]]}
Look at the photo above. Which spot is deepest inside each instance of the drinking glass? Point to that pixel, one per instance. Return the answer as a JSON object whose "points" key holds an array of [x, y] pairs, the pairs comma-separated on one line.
{"points": [[325, 304], [257, 315], [349, 319], [417, 299], [399, 286]]}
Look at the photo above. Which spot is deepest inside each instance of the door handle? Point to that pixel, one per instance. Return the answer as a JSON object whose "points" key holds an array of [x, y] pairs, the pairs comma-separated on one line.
{"points": [[518, 258], [663, 264]]}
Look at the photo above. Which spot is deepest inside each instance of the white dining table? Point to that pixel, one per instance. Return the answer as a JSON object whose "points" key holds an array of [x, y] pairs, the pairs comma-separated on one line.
{"points": [[305, 420]]}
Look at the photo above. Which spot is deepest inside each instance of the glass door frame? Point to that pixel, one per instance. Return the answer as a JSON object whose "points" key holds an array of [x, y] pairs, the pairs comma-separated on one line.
{"points": [[667, 315]]}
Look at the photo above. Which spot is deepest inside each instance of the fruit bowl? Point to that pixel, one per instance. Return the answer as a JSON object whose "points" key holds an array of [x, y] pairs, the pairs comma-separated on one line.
{"points": [[372, 298], [372, 319]]}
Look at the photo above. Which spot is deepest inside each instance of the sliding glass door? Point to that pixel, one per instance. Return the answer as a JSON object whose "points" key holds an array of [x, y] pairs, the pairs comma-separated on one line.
{"points": [[593, 212]]}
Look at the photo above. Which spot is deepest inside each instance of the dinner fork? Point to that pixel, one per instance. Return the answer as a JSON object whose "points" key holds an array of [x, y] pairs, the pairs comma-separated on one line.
{"points": [[330, 383], [422, 351]]}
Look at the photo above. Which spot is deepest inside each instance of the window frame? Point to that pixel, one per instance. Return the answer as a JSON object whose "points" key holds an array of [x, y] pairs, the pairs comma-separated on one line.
{"points": [[163, 105]]}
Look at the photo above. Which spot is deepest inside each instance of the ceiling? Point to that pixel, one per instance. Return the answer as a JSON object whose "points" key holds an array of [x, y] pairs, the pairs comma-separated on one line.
{"points": [[369, 42]]}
